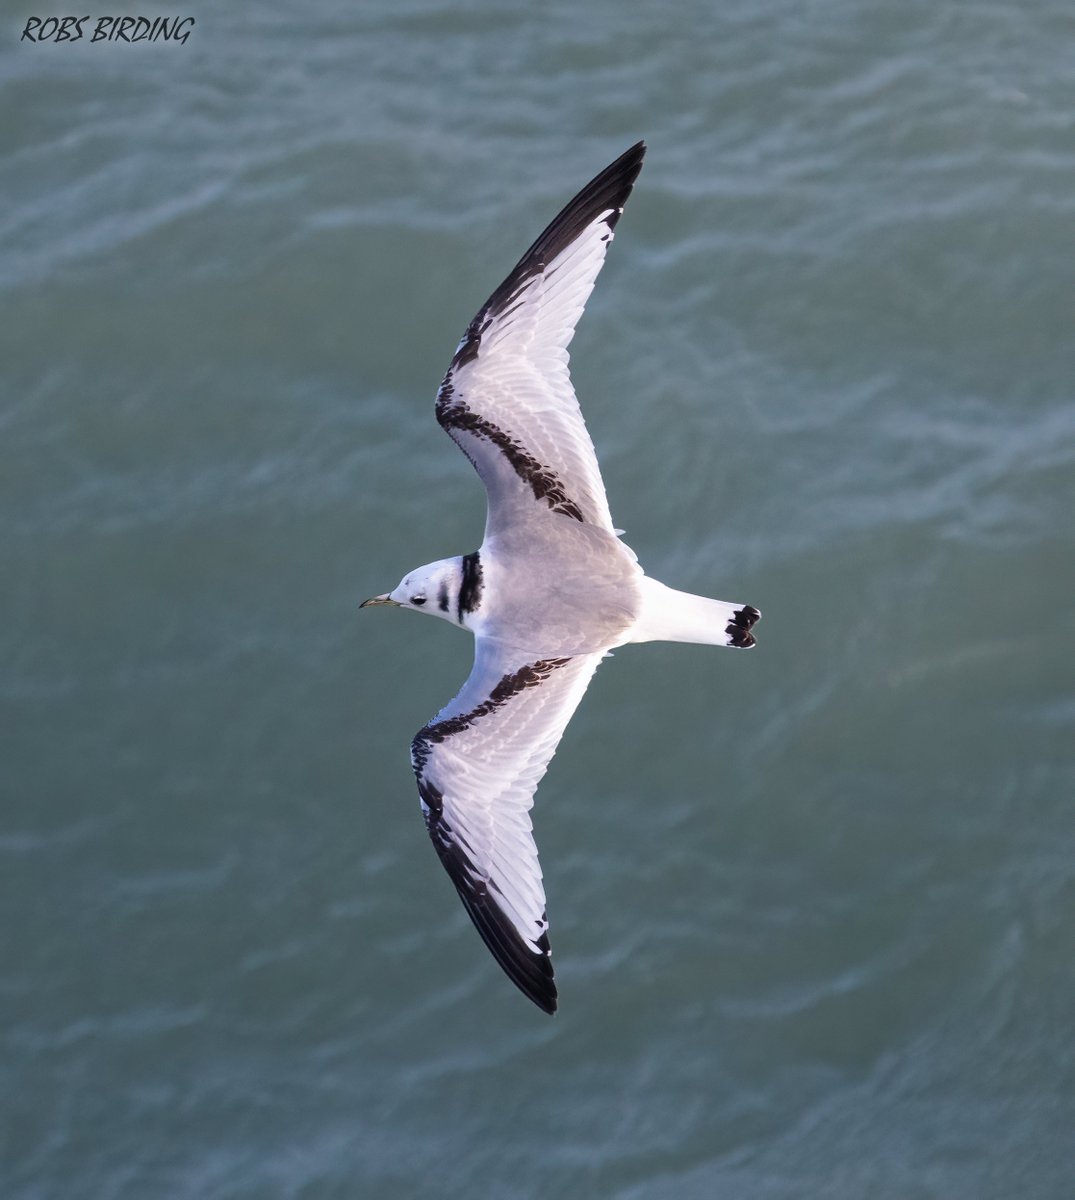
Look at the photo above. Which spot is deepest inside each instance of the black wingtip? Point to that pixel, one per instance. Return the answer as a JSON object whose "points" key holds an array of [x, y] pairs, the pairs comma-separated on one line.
{"points": [[528, 968], [531, 972], [607, 193], [608, 190], [629, 161]]}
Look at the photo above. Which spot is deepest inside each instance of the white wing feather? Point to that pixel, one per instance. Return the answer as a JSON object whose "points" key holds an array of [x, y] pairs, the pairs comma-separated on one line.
{"points": [[478, 763], [507, 399]]}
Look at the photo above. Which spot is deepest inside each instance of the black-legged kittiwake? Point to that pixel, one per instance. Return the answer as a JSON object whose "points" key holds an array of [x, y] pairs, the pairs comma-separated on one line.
{"points": [[549, 593]]}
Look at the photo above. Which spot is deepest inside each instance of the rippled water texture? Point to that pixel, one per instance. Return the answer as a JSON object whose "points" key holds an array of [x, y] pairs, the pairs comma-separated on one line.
{"points": [[811, 906]]}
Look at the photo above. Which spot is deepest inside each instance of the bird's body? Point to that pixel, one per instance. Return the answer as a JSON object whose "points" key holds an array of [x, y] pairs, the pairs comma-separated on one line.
{"points": [[551, 590], [577, 592]]}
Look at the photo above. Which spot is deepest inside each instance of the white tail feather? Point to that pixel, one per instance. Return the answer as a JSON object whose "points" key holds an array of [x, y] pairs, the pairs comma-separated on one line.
{"points": [[671, 616]]}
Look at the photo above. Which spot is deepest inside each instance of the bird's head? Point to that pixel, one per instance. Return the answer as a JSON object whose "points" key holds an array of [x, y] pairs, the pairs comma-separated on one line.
{"points": [[433, 589]]}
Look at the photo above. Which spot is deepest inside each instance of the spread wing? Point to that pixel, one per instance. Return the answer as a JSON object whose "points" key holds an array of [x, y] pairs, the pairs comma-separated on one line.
{"points": [[507, 399], [478, 763]]}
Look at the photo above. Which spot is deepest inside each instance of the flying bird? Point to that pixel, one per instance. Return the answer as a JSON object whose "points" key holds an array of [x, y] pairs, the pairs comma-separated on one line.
{"points": [[551, 590]]}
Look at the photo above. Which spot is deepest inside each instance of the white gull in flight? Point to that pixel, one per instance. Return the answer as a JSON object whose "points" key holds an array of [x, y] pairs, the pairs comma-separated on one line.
{"points": [[551, 590]]}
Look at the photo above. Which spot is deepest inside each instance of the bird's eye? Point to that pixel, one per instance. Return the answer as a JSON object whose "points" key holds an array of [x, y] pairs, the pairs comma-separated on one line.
{"points": [[418, 599]]}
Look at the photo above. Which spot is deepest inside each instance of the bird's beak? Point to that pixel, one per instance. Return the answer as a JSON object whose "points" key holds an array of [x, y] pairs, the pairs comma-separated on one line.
{"points": [[385, 599]]}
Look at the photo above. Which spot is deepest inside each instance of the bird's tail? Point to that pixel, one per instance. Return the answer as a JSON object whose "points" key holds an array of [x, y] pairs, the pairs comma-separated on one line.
{"points": [[671, 616]]}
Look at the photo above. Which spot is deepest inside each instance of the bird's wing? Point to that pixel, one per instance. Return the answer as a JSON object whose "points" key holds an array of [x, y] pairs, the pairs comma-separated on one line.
{"points": [[507, 399], [478, 763]]}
